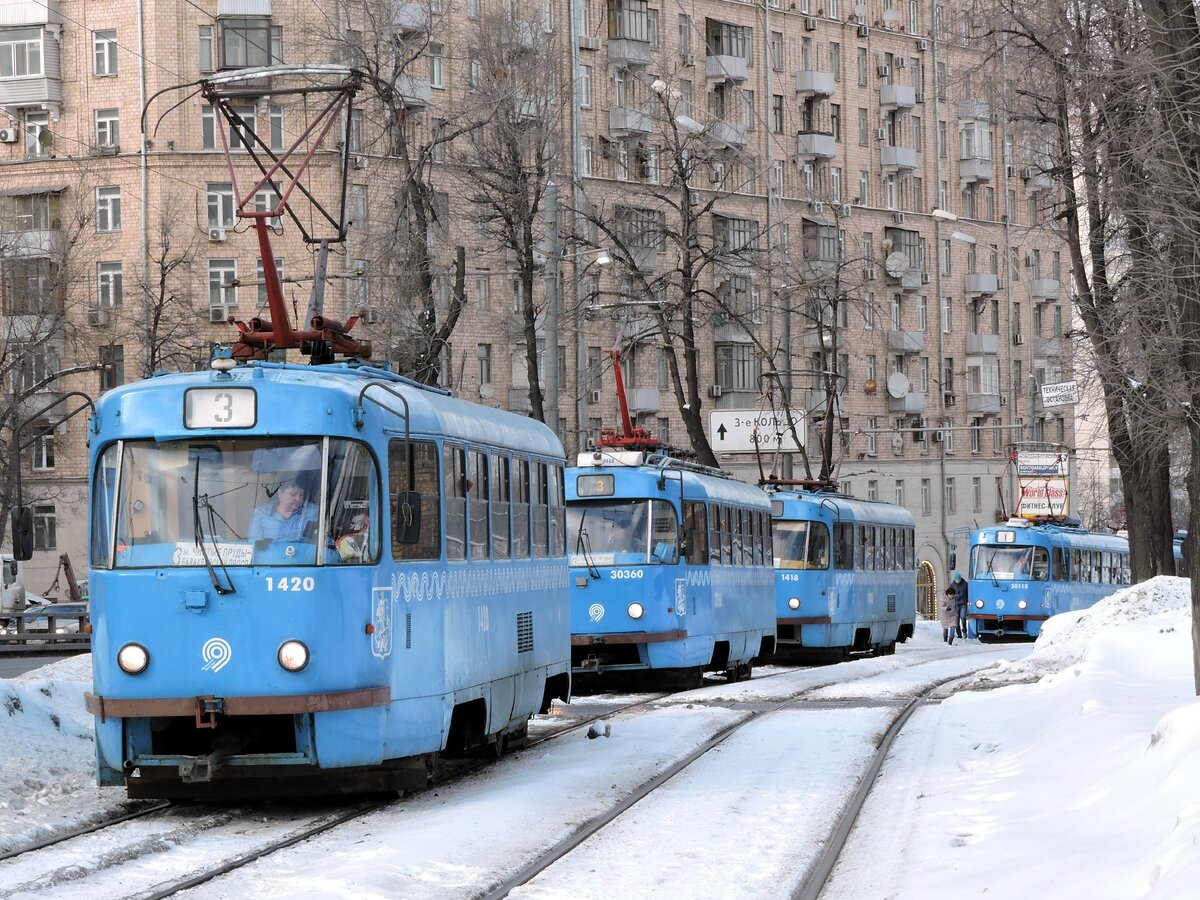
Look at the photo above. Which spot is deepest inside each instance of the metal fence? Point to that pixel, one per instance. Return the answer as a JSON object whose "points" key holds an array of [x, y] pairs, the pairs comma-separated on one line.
{"points": [[42, 631]]}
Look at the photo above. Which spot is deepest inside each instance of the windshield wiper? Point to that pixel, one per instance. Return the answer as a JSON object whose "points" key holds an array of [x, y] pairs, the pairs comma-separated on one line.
{"points": [[198, 530], [583, 546]]}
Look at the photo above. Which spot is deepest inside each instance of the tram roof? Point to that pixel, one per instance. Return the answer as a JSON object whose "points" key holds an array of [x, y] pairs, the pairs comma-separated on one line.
{"points": [[147, 408], [1047, 533], [842, 508], [642, 481]]}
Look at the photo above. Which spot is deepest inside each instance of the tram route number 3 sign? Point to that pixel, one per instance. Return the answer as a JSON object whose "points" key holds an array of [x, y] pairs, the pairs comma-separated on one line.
{"points": [[745, 430]]}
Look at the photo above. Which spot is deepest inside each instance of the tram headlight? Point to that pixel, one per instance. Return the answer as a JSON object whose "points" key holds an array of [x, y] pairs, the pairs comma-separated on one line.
{"points": [[293, 655], [1021, 604], [133, 659], [793, 603], [636, 610], [979, 604]]}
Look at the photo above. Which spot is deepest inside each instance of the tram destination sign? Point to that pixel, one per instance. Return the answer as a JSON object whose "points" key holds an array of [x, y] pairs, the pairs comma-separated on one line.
{"points": [[1060, 393], [747, 430]]}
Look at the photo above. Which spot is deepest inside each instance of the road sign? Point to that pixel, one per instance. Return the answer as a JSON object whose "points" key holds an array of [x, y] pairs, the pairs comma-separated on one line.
{"points": [[745, 430], [1060, 393]]}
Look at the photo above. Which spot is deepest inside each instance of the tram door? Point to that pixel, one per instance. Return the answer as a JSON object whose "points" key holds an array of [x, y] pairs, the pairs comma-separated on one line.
{"points": [[927, 590]]}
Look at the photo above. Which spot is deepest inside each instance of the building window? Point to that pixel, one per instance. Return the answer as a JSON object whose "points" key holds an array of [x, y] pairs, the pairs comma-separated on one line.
{"points": [[260, 277], [275, 122], [21, 52], [108, 209], [37, 134], [926, 497], [104, 52], [206, 49], [436, 76], [585, 85], [112, 361], [45, 528], [872, 489], [248, 43], [777, 113], [41, 453], [109, 285], [951, 500], [977, 494], [483, 291], [220, 205], [108, 128], [738, 367], [268, 201], [899, 491], [222, 296], [872, 430], [483, 352]]}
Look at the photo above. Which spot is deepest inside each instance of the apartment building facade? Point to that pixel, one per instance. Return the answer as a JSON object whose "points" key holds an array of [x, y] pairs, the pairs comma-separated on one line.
{"points": [[837, 190]]}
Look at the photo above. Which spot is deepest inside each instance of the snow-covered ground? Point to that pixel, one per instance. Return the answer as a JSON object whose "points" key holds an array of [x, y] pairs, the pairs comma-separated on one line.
{"points": [[1067, 769]]}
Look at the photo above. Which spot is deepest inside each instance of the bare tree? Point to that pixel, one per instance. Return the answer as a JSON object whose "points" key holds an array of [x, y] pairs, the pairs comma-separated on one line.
{"points": [[172, 318]]}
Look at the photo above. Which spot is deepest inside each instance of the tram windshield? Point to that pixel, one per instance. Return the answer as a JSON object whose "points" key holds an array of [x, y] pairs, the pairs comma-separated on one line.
{"points": [[801, 545], [1010, 563], [222, 502], [622, 533]]}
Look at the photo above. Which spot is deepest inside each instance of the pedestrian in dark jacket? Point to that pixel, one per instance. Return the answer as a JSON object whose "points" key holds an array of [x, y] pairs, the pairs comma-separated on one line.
{"points": [[947, 617], [959, 585]]}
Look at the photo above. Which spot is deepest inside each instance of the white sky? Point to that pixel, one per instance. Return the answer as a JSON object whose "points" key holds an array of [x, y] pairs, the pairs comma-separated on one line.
{"points": [[1072, 770]]}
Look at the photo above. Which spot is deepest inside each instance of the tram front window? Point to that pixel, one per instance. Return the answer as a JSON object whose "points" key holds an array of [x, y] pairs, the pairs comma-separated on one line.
{"points": [[622, 533], [801, 545], [235, 502], [1009, 563]]}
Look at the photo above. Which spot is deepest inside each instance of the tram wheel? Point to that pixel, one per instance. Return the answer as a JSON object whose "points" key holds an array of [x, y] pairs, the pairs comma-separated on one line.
{"points": [[887, 649]]}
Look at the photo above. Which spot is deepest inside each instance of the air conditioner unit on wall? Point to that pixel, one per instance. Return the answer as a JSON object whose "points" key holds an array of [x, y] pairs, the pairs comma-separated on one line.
{"points": [[594, 397], [217, 314], [922, 46], [9, 135], [714, 390], [884, 71], [863, 31], [216, 234], [97, 317]]}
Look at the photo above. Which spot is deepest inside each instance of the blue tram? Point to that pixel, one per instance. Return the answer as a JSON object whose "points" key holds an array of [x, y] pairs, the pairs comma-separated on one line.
{"points": [[845, 574], [316, 579], [670, 565], [1022, 573]]}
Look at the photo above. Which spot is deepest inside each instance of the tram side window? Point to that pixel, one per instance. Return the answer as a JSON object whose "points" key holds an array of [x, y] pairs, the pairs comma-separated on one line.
{"points": [[520, 509], [818, 545], [728, 535], [715, 523], [1125, 579], [501, 502], [477, 507], [558, 513], [103, 498], [414, 466], [541, 510], [739, 537], [664, 533], [843, 545], [454, 489], [756, 525], [768, 541], [695, 532], [1060, 571]]}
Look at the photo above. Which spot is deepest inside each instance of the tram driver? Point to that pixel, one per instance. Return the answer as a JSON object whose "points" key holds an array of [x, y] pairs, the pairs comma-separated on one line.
{"points": [[286, 516]]}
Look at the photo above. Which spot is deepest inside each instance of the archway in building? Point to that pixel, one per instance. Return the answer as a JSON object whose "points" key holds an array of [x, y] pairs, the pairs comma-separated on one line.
{"points": [[927, 590]]}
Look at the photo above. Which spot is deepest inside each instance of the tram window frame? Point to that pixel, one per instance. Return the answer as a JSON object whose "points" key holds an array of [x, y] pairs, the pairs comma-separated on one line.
{"points": [[695, 532], [860, 547], [728, 537], [741, 543], [663, 512], [478, 496], [714, 539], [540, 530], [558, 511], [521, 509], [843, 546], [1060, 569], [454, 493], [756, 536], [768, 541], [427, 484], [500, 505]]}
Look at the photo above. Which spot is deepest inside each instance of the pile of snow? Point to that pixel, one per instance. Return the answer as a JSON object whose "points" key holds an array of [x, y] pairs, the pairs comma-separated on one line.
{"points": [[47, 752], [1163, 602]]}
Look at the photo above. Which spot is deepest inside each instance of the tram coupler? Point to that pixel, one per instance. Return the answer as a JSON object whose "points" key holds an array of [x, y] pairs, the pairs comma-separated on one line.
{"points": [[201, 768]]}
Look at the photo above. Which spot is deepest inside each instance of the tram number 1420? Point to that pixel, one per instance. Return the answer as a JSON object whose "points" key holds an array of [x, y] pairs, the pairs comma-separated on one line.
{"points": [[290, 583]]}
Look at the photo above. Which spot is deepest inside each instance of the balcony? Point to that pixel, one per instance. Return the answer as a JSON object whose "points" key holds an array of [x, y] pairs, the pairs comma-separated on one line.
{"points": [[626, 52], [1044, 289], [974, 169], [813, 82], [896, 159], [818, 269], [1048, 347], [644, 400], [49, 243], [912, 402], [718, 67], [414, 93], [979, 284], [815, 145], [623, 122], [813, 342], [897, 96], [983, 344], [724, 134], [983, 404], [408, 17], [974, 110], [43, 89], [1036, 179], [15, 13], [901, 341]]}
